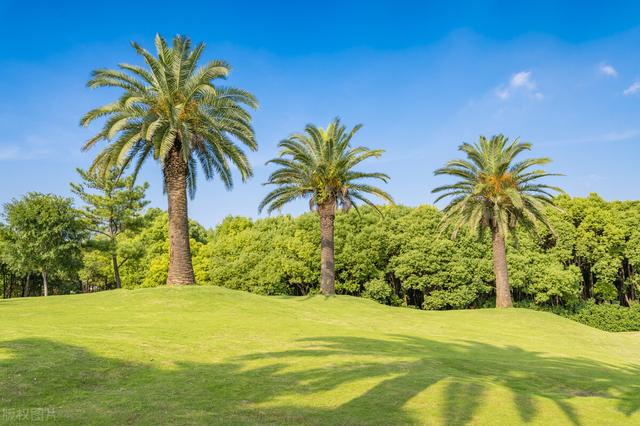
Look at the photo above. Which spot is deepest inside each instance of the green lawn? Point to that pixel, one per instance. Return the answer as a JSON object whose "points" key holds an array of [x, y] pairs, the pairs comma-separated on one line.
{"points": [[211, 355]]}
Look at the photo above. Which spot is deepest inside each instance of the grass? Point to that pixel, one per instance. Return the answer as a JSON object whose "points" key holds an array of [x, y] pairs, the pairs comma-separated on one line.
{"points": [[206, 355]]}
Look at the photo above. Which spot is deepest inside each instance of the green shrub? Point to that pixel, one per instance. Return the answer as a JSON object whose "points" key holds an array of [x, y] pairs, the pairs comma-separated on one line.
{"points": [[604, 316], [609, 317], [379, 290]]}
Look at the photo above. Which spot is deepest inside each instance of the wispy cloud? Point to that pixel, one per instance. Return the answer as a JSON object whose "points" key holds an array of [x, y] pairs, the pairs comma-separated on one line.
{"points": [[503, 93], [633, 89], [13, 152], [618, 136], [607, 70], [520, 82], [609, 137]]}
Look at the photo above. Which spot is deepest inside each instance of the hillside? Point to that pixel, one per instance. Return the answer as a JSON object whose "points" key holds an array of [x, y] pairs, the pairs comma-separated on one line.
{"points": [[210, 355]]}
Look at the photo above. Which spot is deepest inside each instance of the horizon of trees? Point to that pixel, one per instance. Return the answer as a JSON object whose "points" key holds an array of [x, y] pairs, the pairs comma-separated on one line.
{"points": [[400, 259]]}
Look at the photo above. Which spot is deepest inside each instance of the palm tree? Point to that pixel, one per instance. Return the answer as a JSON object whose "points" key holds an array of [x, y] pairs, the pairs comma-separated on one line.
{"points": [[171, 110], [498, 193], [318, 165]]}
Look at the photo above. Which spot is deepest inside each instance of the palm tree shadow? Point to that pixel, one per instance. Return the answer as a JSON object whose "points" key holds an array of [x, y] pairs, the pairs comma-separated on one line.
{"points": [[259, 388], [467, 368]]}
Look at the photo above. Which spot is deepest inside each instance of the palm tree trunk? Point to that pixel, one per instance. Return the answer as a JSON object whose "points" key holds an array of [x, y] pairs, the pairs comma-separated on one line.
{"points": [[503, 292], [175, 175], [327, 274], [116, 270], [45, 283]]}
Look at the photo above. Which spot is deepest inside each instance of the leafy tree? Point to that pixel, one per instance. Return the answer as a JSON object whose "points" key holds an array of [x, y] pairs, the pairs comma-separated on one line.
{"points": [[318, 165], [435, 272], [172, 111], [498, 193], [44, 231], [17, 262], [112, 206], [361, 251], [271, 256]]}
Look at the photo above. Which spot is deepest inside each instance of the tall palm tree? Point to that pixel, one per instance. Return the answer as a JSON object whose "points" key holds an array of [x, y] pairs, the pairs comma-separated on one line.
{"points": [[318, 164], [171, 110], [498, 193]]}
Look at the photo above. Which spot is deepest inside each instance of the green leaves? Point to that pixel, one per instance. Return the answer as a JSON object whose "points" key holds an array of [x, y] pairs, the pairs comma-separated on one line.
{"points": [[318, 165], [43, 232], [112, 203]]}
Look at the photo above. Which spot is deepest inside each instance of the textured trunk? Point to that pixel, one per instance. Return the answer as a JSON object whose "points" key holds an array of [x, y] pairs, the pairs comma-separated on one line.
{"points": [[175, 175], [327, 275], [503, 292], [45, 283], [116, 270]]}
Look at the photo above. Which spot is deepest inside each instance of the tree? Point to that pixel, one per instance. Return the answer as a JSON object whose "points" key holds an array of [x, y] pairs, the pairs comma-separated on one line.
{"points": [[172, 111], [46, 230], [112, 206], [498, 193], [318, 165]]}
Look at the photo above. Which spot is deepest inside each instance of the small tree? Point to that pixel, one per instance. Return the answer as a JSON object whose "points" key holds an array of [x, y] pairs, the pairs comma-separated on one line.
{"points": [[112, 206], [46, 230]]}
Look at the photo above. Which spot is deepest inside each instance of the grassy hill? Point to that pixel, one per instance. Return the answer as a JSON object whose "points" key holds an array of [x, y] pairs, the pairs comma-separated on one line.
{"points": [[211, 355]]}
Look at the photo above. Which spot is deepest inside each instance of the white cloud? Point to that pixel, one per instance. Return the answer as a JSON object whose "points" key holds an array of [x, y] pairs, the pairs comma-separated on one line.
{"points": [[607, 70], [519, 82], [633, 89], [522, 79]]}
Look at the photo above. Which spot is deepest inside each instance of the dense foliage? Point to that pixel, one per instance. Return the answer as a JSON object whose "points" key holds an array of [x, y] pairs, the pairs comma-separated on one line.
{"points": [[608, 317], [587, 268], [41, 235]]}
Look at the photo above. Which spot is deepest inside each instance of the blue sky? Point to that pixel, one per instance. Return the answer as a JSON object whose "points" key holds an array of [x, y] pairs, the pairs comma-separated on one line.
{"points": [[422, 78]]}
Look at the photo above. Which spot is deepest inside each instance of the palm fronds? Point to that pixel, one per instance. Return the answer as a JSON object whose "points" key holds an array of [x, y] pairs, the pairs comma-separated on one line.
{"points": [[493, 190], [172, 102], [317, 165]]}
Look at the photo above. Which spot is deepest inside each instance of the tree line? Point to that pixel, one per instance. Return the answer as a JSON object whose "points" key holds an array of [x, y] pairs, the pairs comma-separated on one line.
{"points": [[399, 258]]}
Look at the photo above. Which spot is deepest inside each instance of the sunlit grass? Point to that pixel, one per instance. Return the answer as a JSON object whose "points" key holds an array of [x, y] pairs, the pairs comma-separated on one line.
{"points": [[210, 355]]}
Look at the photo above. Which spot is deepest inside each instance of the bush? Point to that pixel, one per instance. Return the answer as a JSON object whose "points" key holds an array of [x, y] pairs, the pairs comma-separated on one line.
{"points": [[379, 290], [609, 317], [604, 316]]}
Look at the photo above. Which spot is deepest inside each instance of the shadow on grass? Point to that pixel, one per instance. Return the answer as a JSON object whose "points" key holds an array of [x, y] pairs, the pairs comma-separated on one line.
{"points": [[86, 388]]}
